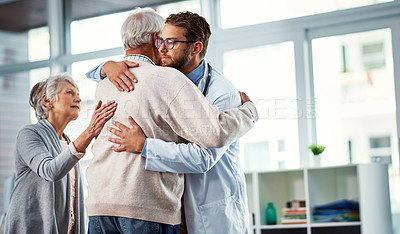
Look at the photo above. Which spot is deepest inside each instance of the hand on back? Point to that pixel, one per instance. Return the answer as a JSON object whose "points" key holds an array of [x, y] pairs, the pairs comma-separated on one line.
{"points": [[118, 73], [244, 98], [129, 139]]}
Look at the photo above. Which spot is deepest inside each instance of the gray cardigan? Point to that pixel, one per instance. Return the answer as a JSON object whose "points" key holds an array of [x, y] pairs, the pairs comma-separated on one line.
{"points": [[40, 202]]}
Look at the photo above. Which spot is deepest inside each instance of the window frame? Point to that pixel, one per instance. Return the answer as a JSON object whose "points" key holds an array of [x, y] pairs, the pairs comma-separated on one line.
{"points": [[302, 31]]}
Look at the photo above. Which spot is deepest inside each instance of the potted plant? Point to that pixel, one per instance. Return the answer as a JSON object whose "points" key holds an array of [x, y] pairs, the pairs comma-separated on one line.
{"points": [[317, 151]]}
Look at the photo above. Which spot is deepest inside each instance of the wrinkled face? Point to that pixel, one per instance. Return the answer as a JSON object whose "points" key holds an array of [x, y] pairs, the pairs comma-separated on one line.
{"points": [[68, 104], [179, 56]]}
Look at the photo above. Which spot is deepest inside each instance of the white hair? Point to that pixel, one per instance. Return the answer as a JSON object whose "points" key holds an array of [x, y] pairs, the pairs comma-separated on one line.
{"points": [[51, 87], [139, 27]]}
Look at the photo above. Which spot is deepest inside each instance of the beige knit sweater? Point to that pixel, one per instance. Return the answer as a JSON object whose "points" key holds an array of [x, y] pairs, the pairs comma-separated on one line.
{"points": [[167, 106]]}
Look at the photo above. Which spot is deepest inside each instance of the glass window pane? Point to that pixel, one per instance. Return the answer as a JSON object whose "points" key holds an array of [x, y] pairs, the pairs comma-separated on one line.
{"points": [[191, 5], [261, 11], [39, 44], [103, 32], [13, 47], [32, 45], [97, 33], [354, 92], [355, 102], [267, 75], [86, 86]]}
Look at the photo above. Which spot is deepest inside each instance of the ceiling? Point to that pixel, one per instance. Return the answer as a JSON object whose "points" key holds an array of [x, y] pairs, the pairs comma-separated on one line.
{"points": [[22, 15]]}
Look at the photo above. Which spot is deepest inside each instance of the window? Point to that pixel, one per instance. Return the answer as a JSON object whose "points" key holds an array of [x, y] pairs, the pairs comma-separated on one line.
{"points": [[266, 74], [261, 11], [380, 149], [379, 142], [104, 32], [31, 45], [38, 44], [189, 5], [373, 55], [97, 33], [13, 47], [357, 103], [281, 145], [256, 156]]}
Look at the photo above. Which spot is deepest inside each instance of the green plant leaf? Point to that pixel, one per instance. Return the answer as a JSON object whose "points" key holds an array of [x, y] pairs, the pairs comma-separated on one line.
{"points": [[317, 149]]}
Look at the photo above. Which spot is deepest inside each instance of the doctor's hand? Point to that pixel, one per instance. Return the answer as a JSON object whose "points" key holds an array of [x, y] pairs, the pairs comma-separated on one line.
{"points": [[119, 74], [130, 139], [244, 97]]}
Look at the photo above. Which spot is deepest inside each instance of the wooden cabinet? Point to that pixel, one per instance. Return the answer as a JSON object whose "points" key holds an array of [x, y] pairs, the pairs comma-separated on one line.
{"points": [[366, 183]]}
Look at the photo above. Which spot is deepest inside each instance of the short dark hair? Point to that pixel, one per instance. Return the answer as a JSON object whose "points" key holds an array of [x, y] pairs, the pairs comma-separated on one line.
{"points": [[197, 28]]}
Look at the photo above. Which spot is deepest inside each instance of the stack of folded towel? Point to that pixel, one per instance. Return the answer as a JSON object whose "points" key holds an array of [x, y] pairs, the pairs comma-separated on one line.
{"points": [[338, 211]]}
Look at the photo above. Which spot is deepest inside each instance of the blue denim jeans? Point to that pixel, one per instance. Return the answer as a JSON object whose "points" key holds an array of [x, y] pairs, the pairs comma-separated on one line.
{"points": [[111, 225]]}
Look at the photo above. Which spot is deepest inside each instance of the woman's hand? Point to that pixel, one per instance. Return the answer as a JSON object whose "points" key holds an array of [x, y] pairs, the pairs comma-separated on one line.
{"points": [[101, 114]]}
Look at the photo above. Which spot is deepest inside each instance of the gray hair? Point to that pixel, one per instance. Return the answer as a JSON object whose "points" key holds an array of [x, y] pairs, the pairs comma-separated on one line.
{"points": [[51, 87], [139, 27]]}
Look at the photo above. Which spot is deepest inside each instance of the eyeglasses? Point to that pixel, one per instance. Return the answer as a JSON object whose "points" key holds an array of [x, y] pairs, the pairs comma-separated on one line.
{"points": [[168, 43]]}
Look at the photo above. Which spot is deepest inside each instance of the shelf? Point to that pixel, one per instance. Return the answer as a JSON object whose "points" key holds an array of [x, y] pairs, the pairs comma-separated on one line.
{"points": [[335, 224], [331, 224], [281, 226], [366, 183], [342, 183], [288, 185]]}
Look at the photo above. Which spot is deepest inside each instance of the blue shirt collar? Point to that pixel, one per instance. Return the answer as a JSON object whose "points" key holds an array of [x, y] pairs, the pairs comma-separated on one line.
{"points": [[197, 74]]}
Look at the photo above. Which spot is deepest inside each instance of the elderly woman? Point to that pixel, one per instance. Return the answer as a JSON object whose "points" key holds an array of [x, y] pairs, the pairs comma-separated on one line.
{"points": [[48, 195]]}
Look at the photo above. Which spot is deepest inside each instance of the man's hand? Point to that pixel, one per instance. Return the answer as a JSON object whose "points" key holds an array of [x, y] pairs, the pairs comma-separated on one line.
{"points": [[119, 74], [130, 139], [244, 97]]}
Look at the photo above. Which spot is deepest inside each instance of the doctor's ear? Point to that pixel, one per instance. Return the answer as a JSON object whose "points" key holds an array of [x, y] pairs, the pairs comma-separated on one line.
{"points": [[197, 47]]}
